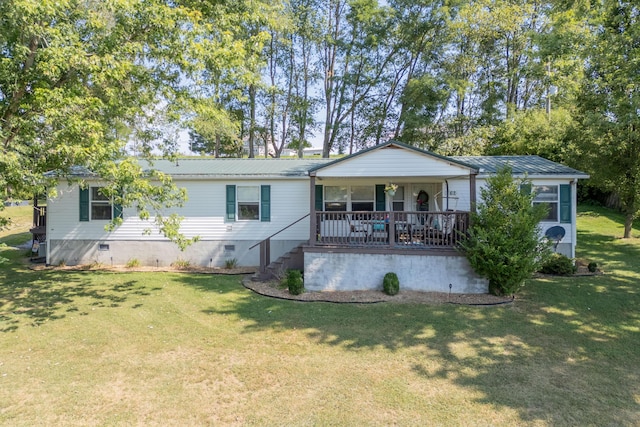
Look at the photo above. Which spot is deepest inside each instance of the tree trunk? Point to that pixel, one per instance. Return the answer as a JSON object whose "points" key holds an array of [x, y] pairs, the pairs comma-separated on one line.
{"points": [[252, 120], [628, 225]]}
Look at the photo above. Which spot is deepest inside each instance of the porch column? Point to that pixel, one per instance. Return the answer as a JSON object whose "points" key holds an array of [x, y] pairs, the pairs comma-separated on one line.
{"points": [[472, 192], [312, 210]]}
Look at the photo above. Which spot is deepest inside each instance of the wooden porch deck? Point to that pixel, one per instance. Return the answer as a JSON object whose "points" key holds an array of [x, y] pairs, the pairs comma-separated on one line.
{"points": [[398, 230]]}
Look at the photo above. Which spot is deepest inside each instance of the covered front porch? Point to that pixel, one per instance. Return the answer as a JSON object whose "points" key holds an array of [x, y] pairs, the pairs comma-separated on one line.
{"points": [[391, 208]]}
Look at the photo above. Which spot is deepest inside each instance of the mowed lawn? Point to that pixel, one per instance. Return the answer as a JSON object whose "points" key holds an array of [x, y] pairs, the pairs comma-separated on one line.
{"points": [[103, 348]]}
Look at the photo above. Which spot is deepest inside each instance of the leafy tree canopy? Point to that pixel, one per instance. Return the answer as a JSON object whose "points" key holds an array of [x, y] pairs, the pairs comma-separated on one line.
{"points": [[74, 74]]}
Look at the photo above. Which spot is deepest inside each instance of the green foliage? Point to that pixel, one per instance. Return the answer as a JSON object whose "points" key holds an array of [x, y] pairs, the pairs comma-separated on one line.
{"points": [[592, 267], [230, 263], [82, 81], [534, 132], [390, 284], [558, 264], [294, 282], [608, 145], [133, 263], [503, 244], [181, 264]]}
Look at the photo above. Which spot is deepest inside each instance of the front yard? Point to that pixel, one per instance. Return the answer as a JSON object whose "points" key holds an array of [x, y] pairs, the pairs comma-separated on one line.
{"points": [[157, 348]]}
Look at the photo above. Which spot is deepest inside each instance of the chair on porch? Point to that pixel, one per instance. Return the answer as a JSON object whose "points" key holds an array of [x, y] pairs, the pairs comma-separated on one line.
{"points": [[357, 229]]}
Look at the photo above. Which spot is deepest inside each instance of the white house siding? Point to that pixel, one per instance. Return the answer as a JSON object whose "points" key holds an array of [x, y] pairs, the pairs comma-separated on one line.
{"points": [[394, 163], [345, 271], [74, 242], [459, 194]]}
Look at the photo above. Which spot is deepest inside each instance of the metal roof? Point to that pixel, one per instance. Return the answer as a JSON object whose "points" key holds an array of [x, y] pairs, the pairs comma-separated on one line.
{"points": [[520, 165], [236, 167]]}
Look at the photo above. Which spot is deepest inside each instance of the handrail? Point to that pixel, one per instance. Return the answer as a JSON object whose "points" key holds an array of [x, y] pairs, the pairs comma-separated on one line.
{"points": [[280, 231]]}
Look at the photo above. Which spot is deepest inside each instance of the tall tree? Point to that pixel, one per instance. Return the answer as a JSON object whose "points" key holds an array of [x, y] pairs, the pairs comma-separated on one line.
{"points": [[74, 72], [610, 102]]}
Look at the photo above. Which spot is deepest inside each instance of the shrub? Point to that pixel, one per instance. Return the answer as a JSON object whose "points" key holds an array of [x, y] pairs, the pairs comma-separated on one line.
{"points": [[133, 263], [293, 281], [592, 267], [503, 244], [390, 284], [181, 264], [230, 263], [559, 265]]}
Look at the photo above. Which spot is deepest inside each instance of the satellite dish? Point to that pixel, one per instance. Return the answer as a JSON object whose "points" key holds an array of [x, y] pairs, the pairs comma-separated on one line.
{"points": [[555, 234]]}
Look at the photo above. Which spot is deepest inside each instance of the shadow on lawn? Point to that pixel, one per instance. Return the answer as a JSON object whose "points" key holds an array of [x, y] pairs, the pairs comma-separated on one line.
{"points": [[564, 354], [563, 360], [30, 298]]}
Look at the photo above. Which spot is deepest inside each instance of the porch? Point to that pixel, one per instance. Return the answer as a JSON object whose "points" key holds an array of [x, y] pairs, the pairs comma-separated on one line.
{"points": [[412, 230]]}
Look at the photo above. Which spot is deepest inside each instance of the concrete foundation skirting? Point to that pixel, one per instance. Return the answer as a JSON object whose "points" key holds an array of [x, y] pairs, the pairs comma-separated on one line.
{"points": [[160, 253], [349, 271]]}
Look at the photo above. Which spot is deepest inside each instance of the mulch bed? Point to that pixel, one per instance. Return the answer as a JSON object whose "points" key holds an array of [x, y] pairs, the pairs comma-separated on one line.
{"points": [[275, 290]]}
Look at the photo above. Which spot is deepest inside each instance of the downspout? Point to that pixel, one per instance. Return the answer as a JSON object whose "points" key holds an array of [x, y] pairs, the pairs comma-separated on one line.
{"points": [[472, 192]]}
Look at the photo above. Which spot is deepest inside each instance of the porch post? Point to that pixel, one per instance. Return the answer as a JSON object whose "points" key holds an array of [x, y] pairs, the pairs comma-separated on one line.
{"points": [[472, 192], [312, 210]]}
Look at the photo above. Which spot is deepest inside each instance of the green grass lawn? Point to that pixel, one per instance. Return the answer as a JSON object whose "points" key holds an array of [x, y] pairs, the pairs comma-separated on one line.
{"points": [[102, 348]]}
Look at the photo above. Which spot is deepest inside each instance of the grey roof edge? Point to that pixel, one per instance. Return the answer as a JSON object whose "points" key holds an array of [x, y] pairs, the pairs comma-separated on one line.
{"points": [[530, 165], [392, 142], [74, 171]]}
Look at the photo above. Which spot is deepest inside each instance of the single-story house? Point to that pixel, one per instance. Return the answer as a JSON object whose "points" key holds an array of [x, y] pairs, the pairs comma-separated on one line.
{"points": [[389, 208]]}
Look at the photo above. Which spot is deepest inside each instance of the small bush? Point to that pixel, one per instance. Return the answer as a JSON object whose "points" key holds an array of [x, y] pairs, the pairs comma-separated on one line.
{"points": [[592, 267], [293, 281], [230, 263], [558, 264], [391, 284], [133, 263], [181, 264]]}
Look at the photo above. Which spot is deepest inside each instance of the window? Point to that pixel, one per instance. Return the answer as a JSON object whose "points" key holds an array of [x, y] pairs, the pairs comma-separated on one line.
{"points": [[398, 199], [547, 195], [249, 203], [362, 198], [100, 204], [96, 206], [335, 198]]}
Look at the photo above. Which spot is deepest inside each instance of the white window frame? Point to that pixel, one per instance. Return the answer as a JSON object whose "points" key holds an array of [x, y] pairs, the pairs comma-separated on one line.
{"points": [[339, 199], [543, 197], [397, 201], [97, 199], [243, 201], [367, 198]]}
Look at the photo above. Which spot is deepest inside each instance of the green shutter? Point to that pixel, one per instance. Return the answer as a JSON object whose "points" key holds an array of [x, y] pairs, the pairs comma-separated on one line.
{"points": [[265, 203], [117, 211], [380, 198], [231, 202], [565, 203], [319, 201], [84, 204]]}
